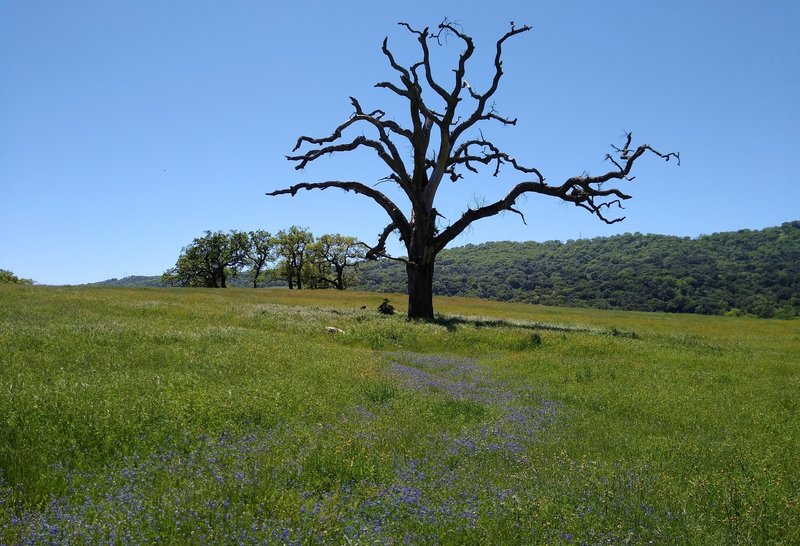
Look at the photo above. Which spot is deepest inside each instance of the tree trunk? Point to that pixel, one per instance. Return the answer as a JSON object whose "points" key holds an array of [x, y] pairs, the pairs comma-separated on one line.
{"points": [[339, 283], [420, 289]]}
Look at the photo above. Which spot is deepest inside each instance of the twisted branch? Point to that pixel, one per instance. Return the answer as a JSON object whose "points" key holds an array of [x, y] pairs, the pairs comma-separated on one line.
{"points": [[584, 191], [398, 219], [379, 249], [483, 98], [463, 156]]}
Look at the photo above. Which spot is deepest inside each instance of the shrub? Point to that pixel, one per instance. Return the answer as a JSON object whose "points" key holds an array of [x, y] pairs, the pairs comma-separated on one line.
{"points": [[530, 341], [7, 277], [386, 308]]}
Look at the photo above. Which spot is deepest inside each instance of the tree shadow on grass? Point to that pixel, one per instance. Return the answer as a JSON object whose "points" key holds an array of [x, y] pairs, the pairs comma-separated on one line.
{"points": [[453, 322]]}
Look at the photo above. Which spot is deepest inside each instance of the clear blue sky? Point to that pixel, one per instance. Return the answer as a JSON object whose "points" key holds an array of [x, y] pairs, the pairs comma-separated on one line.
{"points": [[127, 128]]}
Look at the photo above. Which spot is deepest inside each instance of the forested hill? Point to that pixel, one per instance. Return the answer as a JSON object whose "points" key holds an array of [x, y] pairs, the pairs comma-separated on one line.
{"points": [[753, 272], [132, 281]]}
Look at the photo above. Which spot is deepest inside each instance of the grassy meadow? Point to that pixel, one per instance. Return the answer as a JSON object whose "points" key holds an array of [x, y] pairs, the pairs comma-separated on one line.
{"points": [[195, 416]]}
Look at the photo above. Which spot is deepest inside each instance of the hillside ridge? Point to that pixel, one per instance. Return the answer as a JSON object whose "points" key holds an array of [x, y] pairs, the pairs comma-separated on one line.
{"points": [[754, 272]]}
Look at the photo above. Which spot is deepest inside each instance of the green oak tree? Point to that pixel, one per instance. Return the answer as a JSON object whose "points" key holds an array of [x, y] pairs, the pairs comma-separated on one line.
{"points": [[208, 261], [336, 258], [260, 251], [291, 246]]}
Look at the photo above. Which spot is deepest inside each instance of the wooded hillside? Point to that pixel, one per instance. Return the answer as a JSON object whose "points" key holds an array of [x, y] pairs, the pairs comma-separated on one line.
{"points": [[753, 272]]}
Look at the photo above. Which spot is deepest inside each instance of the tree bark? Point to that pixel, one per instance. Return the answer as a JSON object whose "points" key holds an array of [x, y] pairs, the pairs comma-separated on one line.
{"points": [[420, 287], [339, 283]]}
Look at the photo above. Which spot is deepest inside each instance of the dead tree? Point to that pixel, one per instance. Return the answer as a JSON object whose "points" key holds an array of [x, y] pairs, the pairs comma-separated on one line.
{"points": [[445, 142]]}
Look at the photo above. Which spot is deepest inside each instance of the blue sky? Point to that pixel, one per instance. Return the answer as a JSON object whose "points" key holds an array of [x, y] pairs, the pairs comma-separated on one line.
{"points": [[127, 128]]}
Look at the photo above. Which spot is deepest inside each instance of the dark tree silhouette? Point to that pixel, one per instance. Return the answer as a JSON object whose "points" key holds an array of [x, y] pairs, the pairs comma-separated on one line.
{"points": [[441, 149]]}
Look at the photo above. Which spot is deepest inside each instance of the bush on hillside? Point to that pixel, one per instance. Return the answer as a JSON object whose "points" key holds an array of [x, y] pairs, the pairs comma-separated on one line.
{"points": [[7, 277]]}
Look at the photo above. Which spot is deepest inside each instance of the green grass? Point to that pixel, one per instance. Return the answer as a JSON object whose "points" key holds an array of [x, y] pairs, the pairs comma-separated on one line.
{"points": [[232, 416]]}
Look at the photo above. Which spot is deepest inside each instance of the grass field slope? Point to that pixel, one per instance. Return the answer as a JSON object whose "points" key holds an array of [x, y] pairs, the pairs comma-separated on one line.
{"points": [[192, 416]]}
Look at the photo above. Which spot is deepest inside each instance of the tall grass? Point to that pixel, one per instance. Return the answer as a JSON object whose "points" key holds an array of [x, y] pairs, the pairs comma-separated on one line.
{"points": [[233, 416]]}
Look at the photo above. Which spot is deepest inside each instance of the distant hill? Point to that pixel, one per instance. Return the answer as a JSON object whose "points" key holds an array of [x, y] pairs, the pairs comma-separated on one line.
{"points": [[752, 272], [132, 281], [140, 281]]}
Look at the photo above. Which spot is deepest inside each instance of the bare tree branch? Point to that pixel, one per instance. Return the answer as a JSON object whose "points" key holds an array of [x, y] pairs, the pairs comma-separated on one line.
{"points": [[398, 219], [447, 26], [379, 249], [462, 155], [410, 80], [483, 98], [392, 87], [312, 155], [386, 149], [422, 38], [403, 72], [584, 191], [376, 118]]}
